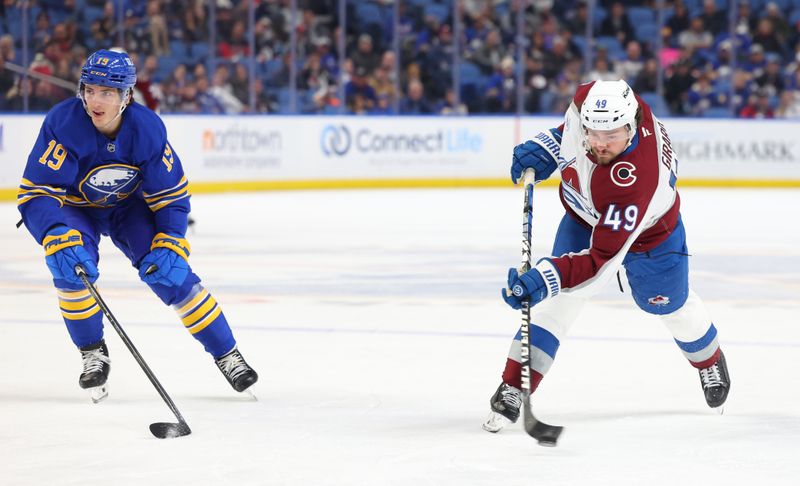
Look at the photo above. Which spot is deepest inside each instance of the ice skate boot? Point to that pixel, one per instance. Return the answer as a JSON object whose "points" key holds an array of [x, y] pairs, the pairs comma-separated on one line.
{"points": [[236, 370], [716, 383], [96, 366], [505, 404]]}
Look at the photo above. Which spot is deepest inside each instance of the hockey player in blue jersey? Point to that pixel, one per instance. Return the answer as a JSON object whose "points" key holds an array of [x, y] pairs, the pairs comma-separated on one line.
{"points": [[102, 165]]}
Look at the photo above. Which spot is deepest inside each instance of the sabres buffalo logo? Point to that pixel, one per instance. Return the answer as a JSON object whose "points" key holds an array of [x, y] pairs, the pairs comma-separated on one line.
{"points": [[108, 184]]}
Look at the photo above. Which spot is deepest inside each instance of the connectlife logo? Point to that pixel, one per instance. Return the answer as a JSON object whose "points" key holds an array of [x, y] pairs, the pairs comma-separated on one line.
{"points": [[335, 140]]}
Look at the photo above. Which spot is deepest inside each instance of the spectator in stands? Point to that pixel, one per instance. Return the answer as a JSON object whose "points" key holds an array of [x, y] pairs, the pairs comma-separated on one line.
{"points": [[383, 86], [679, 79], [702, 96], [757, 106], [647, 79], [767, 38], [237, 46], [206, 101], [601, 72], [358, 94], [437, 63], [414, 103], [578, 18], [267, 45], [756, 61], [40, 98], [721, 64], [42, 31], [556, 58], [448, 106], [714, 20], [488, 53], [789, 105], [742, 89], [488, 35], [678, 22], [389, 63], [327, 58], [98, 37], [145, 92], [562, 91], [222, 90], [537, 85], [745, 18], [617, 24], [696, 37], [7, 81], [501, 89], [365, 56], [780, 24], [172, 88], [240, 83], [629, 67], [159, 39]]}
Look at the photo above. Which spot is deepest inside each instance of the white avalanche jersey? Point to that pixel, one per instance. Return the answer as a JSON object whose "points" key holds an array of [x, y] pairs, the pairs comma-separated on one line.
{"points": [[631, 204]]}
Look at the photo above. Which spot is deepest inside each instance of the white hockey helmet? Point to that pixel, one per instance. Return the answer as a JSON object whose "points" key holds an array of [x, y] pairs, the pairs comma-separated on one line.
{"points": [[609, 105]]}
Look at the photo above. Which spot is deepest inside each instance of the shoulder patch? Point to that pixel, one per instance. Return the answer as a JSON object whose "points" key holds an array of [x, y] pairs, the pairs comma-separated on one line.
{"points": [[622, 174]]}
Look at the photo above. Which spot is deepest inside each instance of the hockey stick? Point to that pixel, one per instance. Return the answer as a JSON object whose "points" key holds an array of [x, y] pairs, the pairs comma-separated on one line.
{"points": [[546, 435], [162, 430]]}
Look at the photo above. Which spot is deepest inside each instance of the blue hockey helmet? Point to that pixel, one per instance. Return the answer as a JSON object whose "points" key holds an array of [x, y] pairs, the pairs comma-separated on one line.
{"points": [[109, 68]]}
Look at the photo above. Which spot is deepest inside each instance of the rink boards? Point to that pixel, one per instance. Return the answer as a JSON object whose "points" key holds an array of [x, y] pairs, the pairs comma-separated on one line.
{"points": [[228, 153]]}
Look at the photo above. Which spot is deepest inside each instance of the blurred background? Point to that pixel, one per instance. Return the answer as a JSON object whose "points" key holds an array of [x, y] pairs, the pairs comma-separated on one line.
{"points": [[698, 58]]}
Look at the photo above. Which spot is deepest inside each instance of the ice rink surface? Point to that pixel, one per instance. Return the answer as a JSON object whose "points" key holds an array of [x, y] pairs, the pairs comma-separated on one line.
{"points": [[375, 322]]}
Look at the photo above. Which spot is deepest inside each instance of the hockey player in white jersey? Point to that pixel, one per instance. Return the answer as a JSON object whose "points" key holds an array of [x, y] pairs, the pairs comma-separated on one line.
{"points": [[618, 172]]}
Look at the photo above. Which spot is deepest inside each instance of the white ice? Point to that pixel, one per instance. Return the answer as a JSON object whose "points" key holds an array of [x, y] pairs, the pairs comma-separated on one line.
{"points": [[375, 321]]}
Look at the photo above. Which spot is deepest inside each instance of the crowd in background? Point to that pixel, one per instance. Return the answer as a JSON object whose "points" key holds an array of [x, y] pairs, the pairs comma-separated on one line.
{"points": [[714, 60]]}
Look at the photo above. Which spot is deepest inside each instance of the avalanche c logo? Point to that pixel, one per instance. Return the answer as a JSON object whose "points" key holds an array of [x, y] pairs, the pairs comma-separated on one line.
{"points": [[335, 140], [622, 174]]}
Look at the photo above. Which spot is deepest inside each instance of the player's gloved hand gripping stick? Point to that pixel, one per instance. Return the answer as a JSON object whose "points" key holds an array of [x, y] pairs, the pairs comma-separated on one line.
{"points": [[546, 435], [162, 430]]}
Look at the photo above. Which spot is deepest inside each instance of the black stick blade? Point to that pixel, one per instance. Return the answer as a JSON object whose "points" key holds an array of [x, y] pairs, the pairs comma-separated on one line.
{"points": [[546, 435], [168, 430]]}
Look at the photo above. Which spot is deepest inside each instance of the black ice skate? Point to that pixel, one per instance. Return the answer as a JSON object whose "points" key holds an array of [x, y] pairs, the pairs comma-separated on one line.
{"points": [[505, 404], [236, 370], [96, 366], [716, 383]]}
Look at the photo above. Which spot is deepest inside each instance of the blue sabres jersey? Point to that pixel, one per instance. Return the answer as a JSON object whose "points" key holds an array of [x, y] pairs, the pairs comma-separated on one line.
{"points": [[73, 163]]}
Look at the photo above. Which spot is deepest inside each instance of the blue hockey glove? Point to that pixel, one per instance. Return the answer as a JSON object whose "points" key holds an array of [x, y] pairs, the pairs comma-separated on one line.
{"points": [[168, 261], [63, 250], [533, 286], [541, 154]]}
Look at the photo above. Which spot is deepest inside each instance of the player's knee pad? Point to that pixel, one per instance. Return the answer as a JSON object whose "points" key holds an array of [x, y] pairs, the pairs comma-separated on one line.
{"points": [[662, 293], [173, 295], [659, 279]]}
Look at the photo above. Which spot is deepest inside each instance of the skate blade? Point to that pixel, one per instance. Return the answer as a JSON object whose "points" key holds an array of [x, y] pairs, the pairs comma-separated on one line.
{"points": [[252, 395], [98, 393], [495, 422], [720, 410]]}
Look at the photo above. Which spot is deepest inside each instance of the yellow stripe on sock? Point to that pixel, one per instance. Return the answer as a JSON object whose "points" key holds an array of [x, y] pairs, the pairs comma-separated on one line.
{"points": [[205, 322], [77, 305], [77, 316], [198, 314], [195, 300], [72, 295]]}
